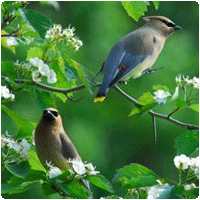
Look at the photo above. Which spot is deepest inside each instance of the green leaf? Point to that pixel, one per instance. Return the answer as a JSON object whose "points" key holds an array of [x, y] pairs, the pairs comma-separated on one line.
{"points": [[195, 153], [45, 99], [33, 175], [135, 9], [180, 103], [8, 69], [101, 182], [74, 189], [18, 169], [195, 107], [34, 161], [161, 87], [81, 71], [57, 65], [134, 111], [17, 188], [135, 176], [187, 143], [38, 21], [146, 98], [25, 126], [146, 102], [156, 4], [34, 52], [177, 192]]}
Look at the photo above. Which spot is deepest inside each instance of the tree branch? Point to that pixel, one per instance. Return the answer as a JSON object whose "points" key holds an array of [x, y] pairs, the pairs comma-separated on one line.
{"points": [[129, 98], [152, 113]]}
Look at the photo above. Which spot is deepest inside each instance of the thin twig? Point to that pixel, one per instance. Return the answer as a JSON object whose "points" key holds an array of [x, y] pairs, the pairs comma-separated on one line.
{"points": [[154, 129]]}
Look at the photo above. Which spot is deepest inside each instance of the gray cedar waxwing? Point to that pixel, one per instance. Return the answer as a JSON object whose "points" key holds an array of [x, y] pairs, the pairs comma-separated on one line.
{"points": [[52, 143], [136, 53]]}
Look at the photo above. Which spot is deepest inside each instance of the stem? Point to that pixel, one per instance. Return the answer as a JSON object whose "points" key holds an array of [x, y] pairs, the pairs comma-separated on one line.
{"points": [[180, 176]]}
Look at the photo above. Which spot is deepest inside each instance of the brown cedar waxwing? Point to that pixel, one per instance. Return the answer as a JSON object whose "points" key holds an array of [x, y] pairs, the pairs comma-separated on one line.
{"points": [[52, 143], [136, 53]]}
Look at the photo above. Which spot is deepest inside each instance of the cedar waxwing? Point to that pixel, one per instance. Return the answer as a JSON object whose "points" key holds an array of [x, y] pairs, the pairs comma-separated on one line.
{"points": [[135, 54], [52, 143]]}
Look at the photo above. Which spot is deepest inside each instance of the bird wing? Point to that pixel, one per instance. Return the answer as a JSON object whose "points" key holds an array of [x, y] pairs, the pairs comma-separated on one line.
{"points": [[68, 149], [126, 55], [127, 64]]}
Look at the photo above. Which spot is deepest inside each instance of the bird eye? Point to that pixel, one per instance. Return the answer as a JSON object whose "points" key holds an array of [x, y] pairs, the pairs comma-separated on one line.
{"points": [[169, 24], [55, 113]]}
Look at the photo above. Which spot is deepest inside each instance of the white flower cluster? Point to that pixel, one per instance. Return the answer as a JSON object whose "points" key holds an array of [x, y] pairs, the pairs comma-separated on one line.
{"points": [[12, 41], [5, 93], [79, 168], [161, 96], [181, 80], [21, 148], [42, 70], [67, 34], [183, 162]]}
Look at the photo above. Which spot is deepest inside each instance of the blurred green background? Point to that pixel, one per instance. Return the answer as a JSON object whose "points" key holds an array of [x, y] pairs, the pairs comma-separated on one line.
{"points": [[102, 132]]}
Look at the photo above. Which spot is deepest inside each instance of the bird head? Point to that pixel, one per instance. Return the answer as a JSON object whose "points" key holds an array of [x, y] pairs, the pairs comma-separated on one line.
{"points": [[162, 24], [51, 116]]}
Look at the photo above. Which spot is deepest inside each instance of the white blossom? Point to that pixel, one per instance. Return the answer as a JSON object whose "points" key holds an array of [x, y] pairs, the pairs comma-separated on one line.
{"points": [[194, 165], [194, 162], [161, 96], [182, 162], [11, 41], [54, 172], [69, 32], [190, 186], [156, 192], [5, 93], [36, 76], [176, 93], [178, 79], [196, 82], [91, 169], [25, 147], [78, 166], [44, 69], [36, 62], [51, 76], [54, 32]]}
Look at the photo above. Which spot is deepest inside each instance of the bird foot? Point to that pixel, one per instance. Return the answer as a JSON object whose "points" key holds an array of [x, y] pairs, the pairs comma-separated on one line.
{"points": [[148, 71], [122, 82]]}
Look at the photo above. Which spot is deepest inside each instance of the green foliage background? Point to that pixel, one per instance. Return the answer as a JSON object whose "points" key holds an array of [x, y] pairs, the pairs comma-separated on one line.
{"points": [[103, 133]]}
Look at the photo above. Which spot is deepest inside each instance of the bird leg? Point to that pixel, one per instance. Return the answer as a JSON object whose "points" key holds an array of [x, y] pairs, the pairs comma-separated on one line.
{"points": [[122, 82], [148, 71]]}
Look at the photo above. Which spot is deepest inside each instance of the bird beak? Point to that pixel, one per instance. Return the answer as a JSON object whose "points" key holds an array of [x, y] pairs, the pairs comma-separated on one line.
{"points": [[48, 117], [176, 27]]}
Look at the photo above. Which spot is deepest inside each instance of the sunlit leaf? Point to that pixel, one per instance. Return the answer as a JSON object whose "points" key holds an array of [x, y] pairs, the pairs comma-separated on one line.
{"points": [[195, 107], [161, 87], [135, 175], [135, 9], [156, 4]]}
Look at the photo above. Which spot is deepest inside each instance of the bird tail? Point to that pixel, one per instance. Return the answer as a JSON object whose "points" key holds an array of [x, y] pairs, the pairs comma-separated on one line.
{"points": [[101, 94], [99, 98]]}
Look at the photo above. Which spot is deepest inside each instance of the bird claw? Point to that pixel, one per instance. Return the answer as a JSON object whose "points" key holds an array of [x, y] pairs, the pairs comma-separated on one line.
{"points": [[122, 82], [148, 71]]}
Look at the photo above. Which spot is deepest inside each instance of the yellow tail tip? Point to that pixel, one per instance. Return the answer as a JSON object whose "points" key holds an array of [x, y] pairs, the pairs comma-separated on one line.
{"points": [[97, 99]]}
